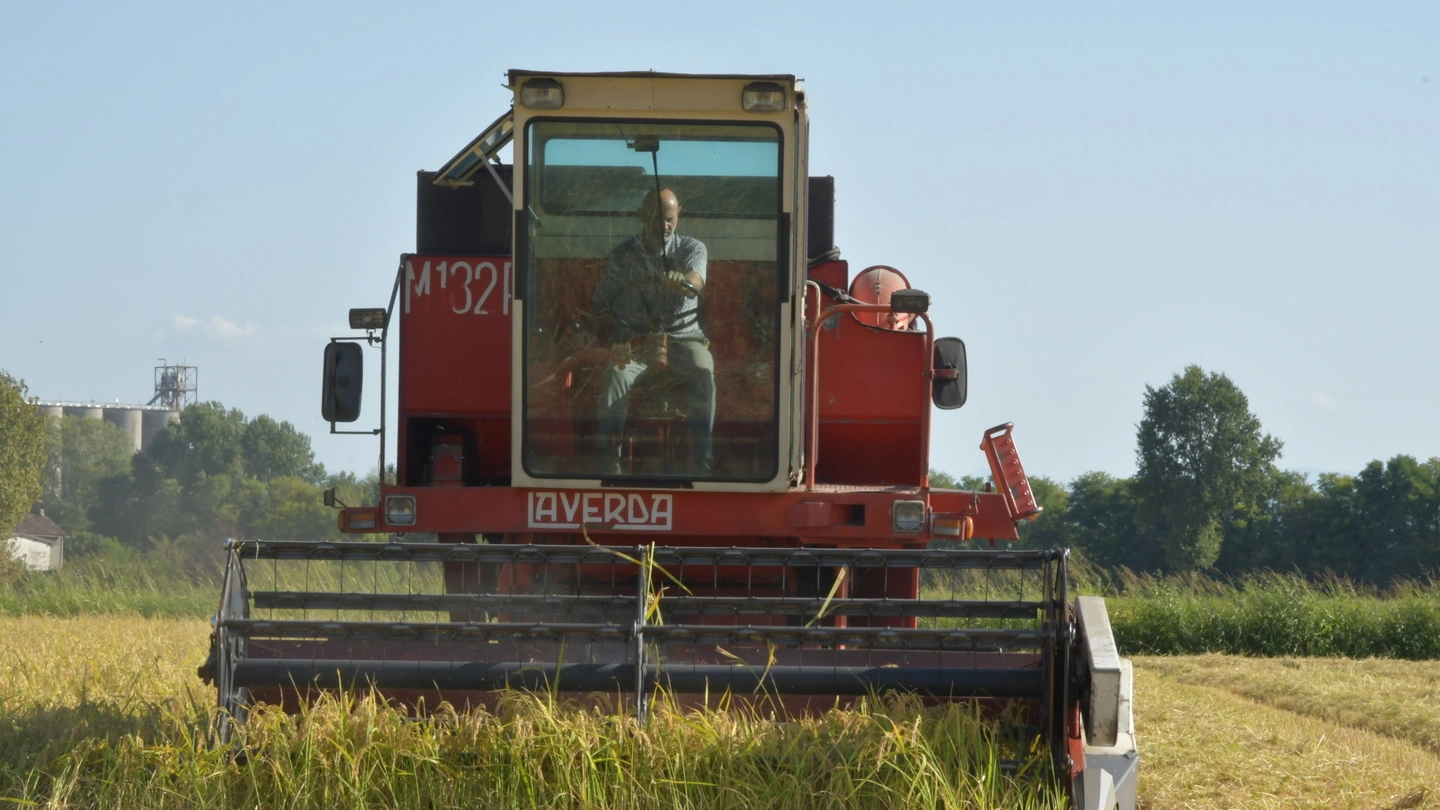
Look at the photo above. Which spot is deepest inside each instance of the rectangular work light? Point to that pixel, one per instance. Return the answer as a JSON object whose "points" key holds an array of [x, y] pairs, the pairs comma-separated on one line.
{"points": [[910, 301], [369, 318], [542, 94], [763, 97]]}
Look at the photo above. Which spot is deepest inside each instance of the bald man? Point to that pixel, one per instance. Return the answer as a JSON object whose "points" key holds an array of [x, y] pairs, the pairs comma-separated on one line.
{"points": [[650, 287]]}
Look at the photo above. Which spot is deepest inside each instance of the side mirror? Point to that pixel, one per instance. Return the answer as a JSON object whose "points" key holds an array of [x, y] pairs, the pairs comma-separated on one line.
{"points": [[344, 379], [947, 387]]}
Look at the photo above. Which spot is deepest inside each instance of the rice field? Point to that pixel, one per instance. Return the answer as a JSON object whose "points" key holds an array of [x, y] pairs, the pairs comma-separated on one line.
{"points": [[1229, 732], [106, 711]]}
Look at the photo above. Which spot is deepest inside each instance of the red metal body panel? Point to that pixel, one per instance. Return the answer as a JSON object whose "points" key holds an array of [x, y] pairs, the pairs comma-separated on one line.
{"points": [[872, 402], [455, 361], [873, 394], [455, 335], [838, 516]]}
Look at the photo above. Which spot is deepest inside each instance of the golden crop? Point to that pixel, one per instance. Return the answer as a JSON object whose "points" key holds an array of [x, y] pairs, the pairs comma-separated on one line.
{"points": [[106, 711], [1221, 731]]}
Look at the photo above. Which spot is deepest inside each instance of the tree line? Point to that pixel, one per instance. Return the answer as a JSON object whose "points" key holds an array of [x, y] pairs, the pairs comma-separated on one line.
{"points": [[211, 475], [1207, 496]]}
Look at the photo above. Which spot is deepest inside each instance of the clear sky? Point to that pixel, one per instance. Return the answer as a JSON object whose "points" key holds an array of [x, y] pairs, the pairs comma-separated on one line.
{"points": [[1095, 194]]}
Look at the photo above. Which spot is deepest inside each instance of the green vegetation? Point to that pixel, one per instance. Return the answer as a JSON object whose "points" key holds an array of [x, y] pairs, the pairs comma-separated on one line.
{"points": [[22, 454], [1260, 615], [116, 584], [213, 474], [80, 453], [1207, 497], [1200, 457], [1272, 615]]}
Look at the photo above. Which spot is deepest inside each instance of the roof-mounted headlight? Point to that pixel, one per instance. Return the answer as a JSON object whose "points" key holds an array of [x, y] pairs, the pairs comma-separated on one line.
{"points": [[369, 318], [916, 301], [763, 97], [542, 94]]}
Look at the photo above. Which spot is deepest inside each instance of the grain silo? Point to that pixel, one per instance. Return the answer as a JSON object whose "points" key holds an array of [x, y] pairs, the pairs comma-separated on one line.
{"points": [[153, 421], [175, 388], [127, 418]]}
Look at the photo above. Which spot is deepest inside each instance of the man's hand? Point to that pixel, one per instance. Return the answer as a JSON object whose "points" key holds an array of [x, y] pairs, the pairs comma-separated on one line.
{"points": [[677, 280]]}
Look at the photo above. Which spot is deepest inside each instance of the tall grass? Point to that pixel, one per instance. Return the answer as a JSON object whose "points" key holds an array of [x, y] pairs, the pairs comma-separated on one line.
{"points": [[95, 585], [1275, 615]]}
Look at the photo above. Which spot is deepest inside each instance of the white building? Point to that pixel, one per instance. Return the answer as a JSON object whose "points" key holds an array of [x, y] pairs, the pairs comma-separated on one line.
{"points": [[38, 542]]}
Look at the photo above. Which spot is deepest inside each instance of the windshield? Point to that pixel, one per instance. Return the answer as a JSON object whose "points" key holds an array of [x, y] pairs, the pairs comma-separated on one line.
{"points": [[651, 311]]}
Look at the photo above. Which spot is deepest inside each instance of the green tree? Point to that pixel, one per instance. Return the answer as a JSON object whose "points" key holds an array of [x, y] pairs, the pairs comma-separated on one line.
{"points": [[1104, 518], [206, 440], [293, 510], [352, 490], [968, 483], [213, 474], [1052, 528], [1398, 507], [141, 507], [22, 452], [81, 453], [272, 449], [1201, 456], [1276, 533], [1324, 531]]}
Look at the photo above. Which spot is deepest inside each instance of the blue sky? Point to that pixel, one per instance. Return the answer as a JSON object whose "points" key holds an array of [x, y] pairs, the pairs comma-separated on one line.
{"points": [[1096, 195]]}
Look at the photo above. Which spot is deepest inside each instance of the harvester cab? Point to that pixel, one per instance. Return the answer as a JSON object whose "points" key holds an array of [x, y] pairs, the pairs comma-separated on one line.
{"points": [[652, 436]]}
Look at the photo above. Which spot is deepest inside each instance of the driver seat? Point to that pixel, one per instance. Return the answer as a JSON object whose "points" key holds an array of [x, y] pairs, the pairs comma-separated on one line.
{"points": [[655, 441]]}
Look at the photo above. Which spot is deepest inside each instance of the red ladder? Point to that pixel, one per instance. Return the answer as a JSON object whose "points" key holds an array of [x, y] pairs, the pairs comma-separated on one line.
{"points": [[1009, 473]]}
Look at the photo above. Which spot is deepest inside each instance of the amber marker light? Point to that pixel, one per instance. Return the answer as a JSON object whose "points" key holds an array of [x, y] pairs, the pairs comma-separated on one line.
{"points": [[961, 527], [359, 520]]}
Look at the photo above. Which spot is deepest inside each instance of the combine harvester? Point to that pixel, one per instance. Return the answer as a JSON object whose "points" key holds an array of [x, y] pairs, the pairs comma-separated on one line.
{"points": [[663, 441]]}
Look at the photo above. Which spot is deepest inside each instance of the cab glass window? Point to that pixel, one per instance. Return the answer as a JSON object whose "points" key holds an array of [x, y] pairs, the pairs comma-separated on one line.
{"points": [[650, 254]]}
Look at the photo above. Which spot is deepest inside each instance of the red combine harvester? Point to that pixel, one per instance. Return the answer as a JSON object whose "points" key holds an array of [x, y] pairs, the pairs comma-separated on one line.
{"points": [[655, 437]]}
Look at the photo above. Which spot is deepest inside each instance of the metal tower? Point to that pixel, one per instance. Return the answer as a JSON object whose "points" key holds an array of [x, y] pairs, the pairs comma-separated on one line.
{"points": [[175, 386]]}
